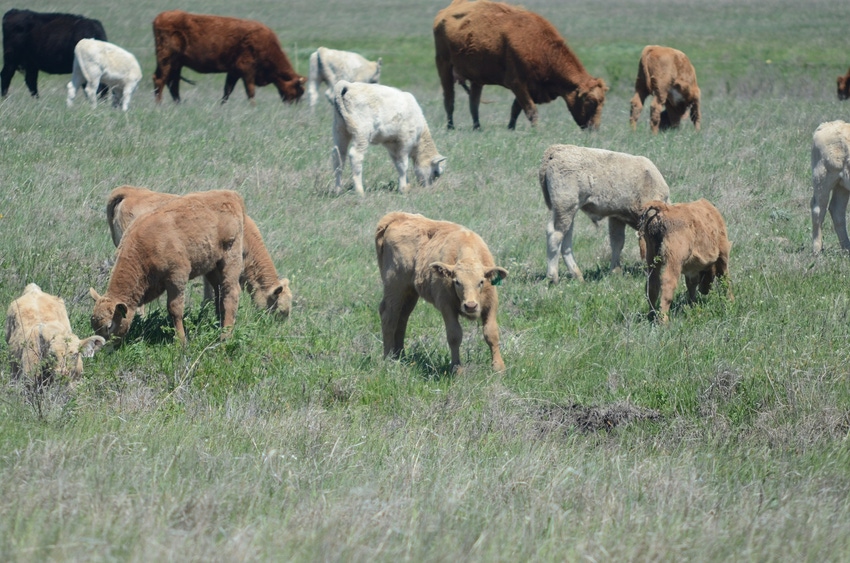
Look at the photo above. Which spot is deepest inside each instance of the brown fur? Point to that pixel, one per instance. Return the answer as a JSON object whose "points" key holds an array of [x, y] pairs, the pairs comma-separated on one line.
{"points": [[199, 234], [844, 86], [243, 49], [448, 266], [41, 342], [259, 276], [668, 76], [494, 43], [682, 238]]}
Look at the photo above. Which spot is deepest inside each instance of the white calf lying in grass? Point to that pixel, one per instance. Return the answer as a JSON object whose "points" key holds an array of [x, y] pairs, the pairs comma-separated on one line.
{"points": [[97, 62]]}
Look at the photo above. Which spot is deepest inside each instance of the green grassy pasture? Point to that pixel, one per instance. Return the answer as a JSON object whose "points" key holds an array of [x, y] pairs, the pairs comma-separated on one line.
{"points": [[721, 436]]}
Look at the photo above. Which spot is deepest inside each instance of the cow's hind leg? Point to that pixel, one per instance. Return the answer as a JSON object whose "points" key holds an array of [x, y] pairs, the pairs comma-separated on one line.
{"points": [[475, 90], [31, 80], [446, 72], [559, 235], [229, 84], [822, 184], [340, 151], [838, 211], [91, 90], [395, 310]]}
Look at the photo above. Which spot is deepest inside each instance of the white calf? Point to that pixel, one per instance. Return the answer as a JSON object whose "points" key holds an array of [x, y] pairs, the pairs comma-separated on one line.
{"points": [[97, 62], [329, 66]]}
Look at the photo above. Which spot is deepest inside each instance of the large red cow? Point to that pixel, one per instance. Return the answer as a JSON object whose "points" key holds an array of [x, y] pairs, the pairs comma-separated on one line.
{"points": [[243, 49], [494, 43]]}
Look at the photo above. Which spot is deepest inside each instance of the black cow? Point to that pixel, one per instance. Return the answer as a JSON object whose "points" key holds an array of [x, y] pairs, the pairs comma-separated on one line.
{"points": [[34, 41]]}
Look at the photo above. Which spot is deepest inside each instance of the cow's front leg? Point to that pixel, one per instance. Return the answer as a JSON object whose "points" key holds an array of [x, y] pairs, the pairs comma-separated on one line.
{"points": [[491, 337], [174, 293], [522, 102], [454, 335], [31, 79], [617, 235]]}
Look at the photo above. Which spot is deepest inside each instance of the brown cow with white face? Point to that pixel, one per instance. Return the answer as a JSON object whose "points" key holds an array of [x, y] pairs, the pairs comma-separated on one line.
{"points": [[445, 264], [495, 43], [668, 76], [243, 49]]}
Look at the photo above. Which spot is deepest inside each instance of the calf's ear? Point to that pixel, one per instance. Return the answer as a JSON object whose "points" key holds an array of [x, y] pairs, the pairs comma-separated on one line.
{"points": [[94, 294], [442, 269], [90, 345], [496, 275], [121, 311]]}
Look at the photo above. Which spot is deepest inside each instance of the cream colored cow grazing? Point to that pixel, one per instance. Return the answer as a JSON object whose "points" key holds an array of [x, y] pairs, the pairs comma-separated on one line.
{"points": [[328, 66], [380, 115], [602, 184], [682, 238], [199, 234], [830, 180], [41, 342], [445, 264], [259, 276], [668, 76], [100, 62]]}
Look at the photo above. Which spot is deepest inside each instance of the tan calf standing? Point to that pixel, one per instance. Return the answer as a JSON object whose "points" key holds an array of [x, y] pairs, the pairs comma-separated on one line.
{"points": [[668, 76], [199, 234], [682, 238], [445, 264]]}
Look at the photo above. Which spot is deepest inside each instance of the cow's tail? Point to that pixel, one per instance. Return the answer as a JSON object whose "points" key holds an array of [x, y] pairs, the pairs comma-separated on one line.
{"points": [[340, 102], [381, 231], [115, 198], [186, 80], [544, 185], [651, 224]]}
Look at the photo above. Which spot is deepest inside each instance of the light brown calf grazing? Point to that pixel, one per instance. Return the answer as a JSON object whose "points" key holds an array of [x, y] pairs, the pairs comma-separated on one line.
{"points": [[830, 181], [259, 276], [668, 76], [844, 86], [199, 234], [445, 264], [682, 238], [41, 342]]}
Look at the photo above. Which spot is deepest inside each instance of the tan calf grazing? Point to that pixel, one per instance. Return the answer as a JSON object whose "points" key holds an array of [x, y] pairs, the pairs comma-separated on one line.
{"points": [[830, 181], [199, 234], [682, 238], [445, 264], [259, 276], [41, 342], [668, 76]]}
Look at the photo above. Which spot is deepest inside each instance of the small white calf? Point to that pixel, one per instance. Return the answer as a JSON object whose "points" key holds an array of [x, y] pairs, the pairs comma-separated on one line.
{"points": [[367, 114], [97, 62]]}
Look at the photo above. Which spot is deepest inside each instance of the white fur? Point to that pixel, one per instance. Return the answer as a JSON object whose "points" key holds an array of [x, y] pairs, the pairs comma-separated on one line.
{"points": [[329, 66], [367, 114], [97, 62]]}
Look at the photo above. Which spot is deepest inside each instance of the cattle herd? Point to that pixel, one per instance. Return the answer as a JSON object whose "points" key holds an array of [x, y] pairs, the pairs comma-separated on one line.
{"points": [[164, 240]]}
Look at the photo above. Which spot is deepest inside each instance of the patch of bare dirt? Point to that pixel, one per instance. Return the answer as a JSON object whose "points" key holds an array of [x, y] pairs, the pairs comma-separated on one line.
{"points": [[559, 418]]}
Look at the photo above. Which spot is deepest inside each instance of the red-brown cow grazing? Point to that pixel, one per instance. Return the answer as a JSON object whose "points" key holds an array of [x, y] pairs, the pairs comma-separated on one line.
{"points": [[495, 43], [243, 49], [446, 265], [199, 234], [259, 276], [682, 238], [844, 86], [669, 77]]}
